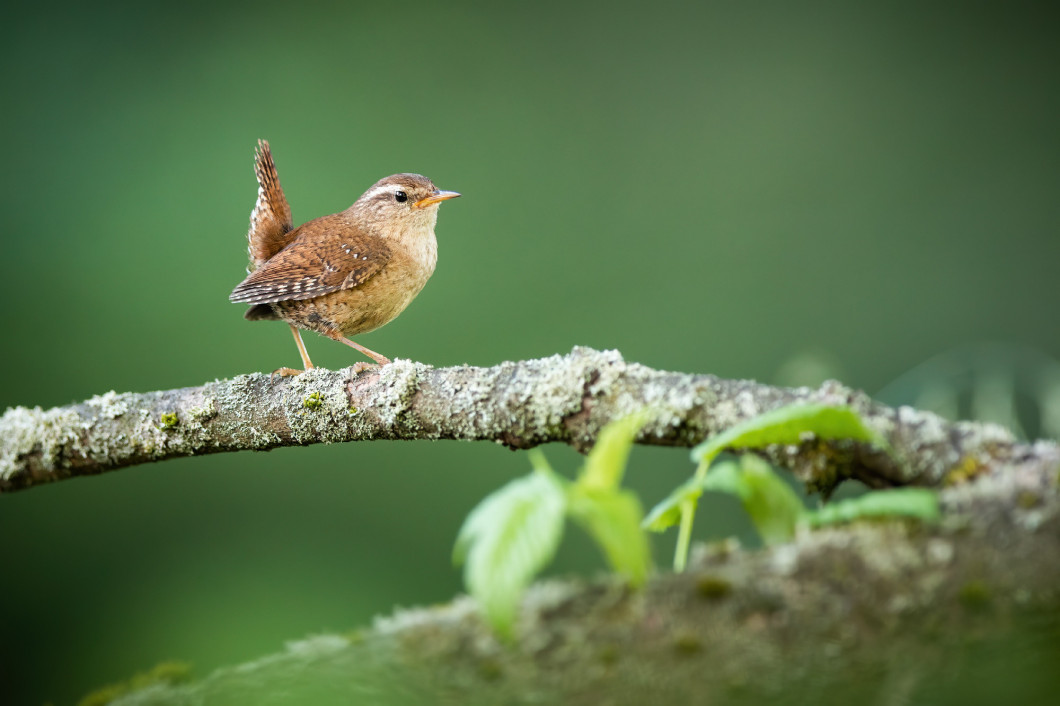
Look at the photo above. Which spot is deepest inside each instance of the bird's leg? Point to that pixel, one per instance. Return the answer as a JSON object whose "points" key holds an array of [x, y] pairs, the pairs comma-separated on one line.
{"points": [[287, 372], [301, 348], [379, 359]]}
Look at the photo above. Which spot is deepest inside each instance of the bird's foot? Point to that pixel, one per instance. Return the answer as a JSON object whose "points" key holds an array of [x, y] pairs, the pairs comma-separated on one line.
{"points": [[284, 373], [379, 358], [362, 367]]}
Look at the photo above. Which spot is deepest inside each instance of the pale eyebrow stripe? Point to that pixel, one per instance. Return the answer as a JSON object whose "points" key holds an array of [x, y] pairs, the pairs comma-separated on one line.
{"points": [[385, 189]]}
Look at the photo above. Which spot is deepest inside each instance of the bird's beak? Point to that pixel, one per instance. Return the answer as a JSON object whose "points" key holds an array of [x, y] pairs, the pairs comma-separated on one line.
{"points": [[436, 197]]}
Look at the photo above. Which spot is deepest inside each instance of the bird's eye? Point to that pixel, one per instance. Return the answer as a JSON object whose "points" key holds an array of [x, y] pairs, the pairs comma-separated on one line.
{"points": [[401, 196]]}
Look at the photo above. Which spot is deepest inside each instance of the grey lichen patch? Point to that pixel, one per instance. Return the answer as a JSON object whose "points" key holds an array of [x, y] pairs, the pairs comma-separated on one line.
{"points": [[554, 397], [26, 431], [111, 405], [469, 396], [463, 609], [240, 401], [207, 411], [625, 389], [890, 556], [247, 432], [835, 393], [729, 411], [1049, 451], [394, 392], [318, 645], [672, 408], [315, 407], [107, 439], [187, 422], [930, 447], [939, 551]]}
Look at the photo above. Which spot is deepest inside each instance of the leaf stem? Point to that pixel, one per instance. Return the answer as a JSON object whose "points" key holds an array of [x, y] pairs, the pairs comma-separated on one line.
{"points": [[684, 536], [688, 511]]}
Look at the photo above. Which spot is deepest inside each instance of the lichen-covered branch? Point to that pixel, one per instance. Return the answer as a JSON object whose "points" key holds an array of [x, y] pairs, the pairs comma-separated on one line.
{"points": [[558, 399], [875, 613]]}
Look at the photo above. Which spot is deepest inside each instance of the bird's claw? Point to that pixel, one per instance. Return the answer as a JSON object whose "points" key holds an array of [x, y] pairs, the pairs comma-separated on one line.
{"points": [[358, 368]]}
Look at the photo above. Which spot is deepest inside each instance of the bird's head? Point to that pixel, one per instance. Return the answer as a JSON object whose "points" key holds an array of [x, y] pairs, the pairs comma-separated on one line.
{"points": [[400, 201]]}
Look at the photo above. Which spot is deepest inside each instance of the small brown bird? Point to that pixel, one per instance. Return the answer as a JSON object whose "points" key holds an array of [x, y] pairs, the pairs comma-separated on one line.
{"points": [[342, 274]]}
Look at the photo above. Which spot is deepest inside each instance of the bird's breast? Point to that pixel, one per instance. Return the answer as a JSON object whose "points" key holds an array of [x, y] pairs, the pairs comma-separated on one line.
{"points": [[373, 303]]}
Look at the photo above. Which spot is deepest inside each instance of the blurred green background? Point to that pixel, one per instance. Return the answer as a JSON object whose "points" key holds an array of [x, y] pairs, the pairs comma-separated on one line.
{"points": [[710, 187]]}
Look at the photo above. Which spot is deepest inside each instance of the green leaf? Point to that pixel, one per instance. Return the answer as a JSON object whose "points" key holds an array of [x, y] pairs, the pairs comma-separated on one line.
{"points": [[725, 477], [506, 540], [773, 506], [790, 425], [612, 518], [607, 461], [919, 503], [667, 513], [758, 491]]}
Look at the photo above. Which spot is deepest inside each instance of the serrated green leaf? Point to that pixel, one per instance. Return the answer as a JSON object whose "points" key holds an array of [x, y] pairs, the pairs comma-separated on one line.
{"points": [[772, 505], [667, 513], [789, 425], [919, 503], [506, 540], [606, 462], [612, 518]]}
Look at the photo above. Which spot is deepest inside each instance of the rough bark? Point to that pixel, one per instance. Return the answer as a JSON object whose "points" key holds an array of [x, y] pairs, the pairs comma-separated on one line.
{"points": [[522, 404]]}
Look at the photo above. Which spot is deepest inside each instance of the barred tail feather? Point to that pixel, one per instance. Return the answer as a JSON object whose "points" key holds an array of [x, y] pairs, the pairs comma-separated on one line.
{"points": [[270, 221]]}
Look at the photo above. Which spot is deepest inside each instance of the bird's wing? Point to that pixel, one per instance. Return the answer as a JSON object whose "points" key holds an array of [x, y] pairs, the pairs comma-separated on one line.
{"points": [[312, 265], [270, 221]]}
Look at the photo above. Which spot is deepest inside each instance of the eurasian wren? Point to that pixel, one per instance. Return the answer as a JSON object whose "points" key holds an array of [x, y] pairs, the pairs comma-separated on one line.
{"points": [[343, 274]]}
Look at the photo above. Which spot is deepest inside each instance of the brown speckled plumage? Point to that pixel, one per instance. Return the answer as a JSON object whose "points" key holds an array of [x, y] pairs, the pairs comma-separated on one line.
{"points": [[343, 274]]}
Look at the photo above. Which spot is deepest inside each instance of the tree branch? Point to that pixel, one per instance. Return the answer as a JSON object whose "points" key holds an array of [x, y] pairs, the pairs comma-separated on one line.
{"points": [[872, 612], [881, 612], [562, 398]]}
